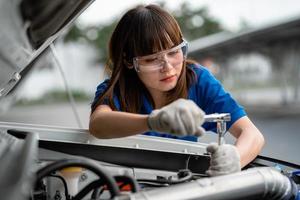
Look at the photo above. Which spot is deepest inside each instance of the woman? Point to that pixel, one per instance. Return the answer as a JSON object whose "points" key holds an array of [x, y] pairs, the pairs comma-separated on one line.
{"points": [[155, 90]]}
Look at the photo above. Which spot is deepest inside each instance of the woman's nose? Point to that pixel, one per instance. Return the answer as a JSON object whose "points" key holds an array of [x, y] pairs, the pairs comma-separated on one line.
{"points": [[166, 64]]}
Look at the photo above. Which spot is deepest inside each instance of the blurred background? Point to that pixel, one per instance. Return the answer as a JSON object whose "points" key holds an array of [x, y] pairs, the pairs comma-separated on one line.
{"points": [[251, 46]]}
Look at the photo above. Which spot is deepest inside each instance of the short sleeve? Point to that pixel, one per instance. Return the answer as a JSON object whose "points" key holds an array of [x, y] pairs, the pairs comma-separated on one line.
{"points": [[101, 88], [211, 97]]}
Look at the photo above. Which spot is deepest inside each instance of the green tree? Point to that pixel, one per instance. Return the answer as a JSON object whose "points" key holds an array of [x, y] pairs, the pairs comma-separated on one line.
{"points": [[196, 23]]}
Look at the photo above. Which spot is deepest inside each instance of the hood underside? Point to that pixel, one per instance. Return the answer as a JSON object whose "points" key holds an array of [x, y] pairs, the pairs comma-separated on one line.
{"points": [[28, 27]]}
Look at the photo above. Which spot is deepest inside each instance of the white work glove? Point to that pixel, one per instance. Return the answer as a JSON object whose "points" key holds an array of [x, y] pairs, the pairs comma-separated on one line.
{"points": [[182, 117], [225, 159]]}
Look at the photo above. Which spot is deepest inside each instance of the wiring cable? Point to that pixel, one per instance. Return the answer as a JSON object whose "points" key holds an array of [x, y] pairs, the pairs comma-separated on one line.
{"points": [[70, 96], [187, 162], [183, 175], [152, 183]]}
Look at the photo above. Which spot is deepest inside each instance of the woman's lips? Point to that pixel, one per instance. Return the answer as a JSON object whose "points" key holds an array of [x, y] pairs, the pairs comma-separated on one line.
{"points": [[169, 78]]}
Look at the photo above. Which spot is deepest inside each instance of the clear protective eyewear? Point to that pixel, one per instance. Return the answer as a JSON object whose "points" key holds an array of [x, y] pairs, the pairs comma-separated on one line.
{"points": [[157, 61]]}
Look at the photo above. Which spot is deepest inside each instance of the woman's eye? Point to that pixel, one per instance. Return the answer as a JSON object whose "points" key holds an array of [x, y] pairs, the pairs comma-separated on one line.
{"points": [[173, 52], [150, 60]]}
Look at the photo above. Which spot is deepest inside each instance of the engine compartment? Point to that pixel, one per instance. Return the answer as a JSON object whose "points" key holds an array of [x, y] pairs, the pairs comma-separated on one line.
{"points": [[69, 164]]}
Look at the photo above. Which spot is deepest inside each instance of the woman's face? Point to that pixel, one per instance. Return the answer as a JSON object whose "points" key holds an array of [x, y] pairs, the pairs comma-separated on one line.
{"points": [[160, 71], [162, 80]]}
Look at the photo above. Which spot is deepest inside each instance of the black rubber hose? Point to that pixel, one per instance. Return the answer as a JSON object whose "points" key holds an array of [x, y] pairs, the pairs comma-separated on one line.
{"points": [[84, 163]]}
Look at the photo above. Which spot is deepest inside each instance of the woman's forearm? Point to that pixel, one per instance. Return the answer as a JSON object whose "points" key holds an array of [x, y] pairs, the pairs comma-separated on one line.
{"points": [[249, 145], [249, 141], [115, 124]]}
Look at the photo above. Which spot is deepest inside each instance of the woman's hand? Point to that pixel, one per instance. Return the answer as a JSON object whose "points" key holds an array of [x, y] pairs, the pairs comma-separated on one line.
{"points": [[181, 117], [225, 159]]}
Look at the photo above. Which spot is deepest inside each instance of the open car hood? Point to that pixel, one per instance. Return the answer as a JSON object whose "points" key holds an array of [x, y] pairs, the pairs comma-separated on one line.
{"points": [[28, 27]]}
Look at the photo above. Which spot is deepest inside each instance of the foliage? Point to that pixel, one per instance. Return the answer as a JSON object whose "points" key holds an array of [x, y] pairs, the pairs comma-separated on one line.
{"points": [[196, 23]]}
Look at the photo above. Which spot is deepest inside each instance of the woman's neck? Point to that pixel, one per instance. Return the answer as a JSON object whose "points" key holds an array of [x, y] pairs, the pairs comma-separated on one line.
{"points": [[159, 98]]}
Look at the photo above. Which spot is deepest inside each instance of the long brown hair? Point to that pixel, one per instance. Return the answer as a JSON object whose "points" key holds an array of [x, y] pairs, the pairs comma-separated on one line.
{"points": [[141, 31]]}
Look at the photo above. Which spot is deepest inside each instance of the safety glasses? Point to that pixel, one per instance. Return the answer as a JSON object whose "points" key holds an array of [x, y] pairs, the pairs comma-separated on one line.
{"points": [[155, 62]]}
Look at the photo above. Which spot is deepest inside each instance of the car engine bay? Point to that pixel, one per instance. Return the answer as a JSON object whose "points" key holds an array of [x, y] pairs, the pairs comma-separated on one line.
{"points": [[58, 163]]}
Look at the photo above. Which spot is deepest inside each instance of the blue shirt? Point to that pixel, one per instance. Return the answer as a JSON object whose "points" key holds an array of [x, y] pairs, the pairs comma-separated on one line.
{"points": [[207, 92]]}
